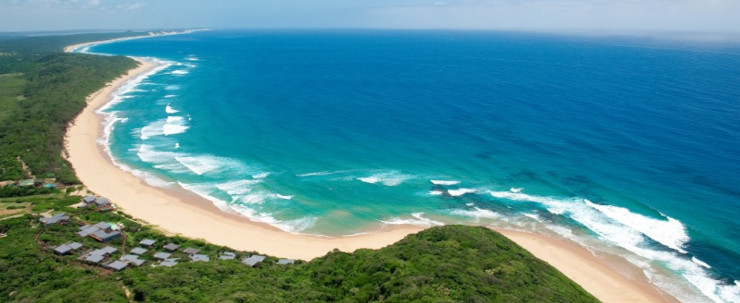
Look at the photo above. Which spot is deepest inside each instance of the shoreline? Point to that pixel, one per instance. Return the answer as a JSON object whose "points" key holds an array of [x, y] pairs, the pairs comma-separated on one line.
{"points": [[73, 47], [180, 212]]}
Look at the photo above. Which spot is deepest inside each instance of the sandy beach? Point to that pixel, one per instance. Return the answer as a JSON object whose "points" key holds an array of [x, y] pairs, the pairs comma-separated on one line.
{"points": [[73, 47], [183, 213]]}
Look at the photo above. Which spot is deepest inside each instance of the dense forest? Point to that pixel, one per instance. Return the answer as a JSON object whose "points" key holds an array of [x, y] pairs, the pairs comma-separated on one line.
{"points": [[41, 90]]}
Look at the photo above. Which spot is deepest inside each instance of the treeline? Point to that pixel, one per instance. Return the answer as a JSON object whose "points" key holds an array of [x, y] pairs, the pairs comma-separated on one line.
{"points": [[44, 89], [18, 54]]}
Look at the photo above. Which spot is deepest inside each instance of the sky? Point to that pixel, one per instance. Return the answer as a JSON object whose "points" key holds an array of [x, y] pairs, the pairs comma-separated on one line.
{"points": [[528, 15]]}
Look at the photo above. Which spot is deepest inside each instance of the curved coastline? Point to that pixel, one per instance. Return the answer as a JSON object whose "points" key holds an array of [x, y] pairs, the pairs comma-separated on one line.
{"points": [[181, 212]]}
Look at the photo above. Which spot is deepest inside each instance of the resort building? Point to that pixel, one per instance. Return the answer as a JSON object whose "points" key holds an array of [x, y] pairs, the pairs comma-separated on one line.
{"points": [[67, 248], [227, 255], [138, 251], [286, 261], [162, 255], [171, 247], [96, 256], [191, 251], [60, 218], [91, 258], [132, 259], [103, 231], [253, 260], [88, 200], [168, 263], [200, 258], [101, 203], [147, 242], [116, 265]]}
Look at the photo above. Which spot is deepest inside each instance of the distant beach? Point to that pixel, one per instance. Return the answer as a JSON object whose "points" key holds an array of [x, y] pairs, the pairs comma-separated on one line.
{"points": [[184, 213]]}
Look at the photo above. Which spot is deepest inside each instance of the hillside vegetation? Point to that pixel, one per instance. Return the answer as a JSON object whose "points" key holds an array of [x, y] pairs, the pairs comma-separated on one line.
{"points": [[441, 264], [41, 90]]}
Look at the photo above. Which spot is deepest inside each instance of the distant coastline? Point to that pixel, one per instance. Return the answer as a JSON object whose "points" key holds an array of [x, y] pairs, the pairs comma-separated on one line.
{"points": [[151, 34], [181, 212]]}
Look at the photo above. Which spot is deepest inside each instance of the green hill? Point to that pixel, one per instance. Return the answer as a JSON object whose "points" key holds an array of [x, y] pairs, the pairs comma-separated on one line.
{"points": [[441, 264], [41, 90]]}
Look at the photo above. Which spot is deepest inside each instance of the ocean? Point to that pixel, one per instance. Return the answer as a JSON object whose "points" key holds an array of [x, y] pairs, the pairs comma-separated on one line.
{"points": [[628, 146]]}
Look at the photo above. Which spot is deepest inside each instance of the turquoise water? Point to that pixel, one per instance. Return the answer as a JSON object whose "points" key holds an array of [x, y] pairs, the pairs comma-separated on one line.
{"points": [[625, 146]]}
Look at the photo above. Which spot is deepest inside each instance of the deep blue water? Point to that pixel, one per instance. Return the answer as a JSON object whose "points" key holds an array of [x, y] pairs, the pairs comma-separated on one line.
{"points": [[628, 148]]}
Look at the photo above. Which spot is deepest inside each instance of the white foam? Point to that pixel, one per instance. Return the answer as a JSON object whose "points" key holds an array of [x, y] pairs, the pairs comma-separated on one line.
{"points": [[477, 213], [516, 189], [436, 193], [295, 226], [285, 197], [152, 179], [615, 231], [323, 173], [579, 211], [320, 173], [371, 179], [260, 175], [170, 96], [200, 164], [180, 72], [461, 191], [153, 129], [177, 145], [237, 187], [169, 110], [172, 87], [120, 94], [700, 262], [174, 125], [668, 232], [387, 178], [175, 119], [469, 204], [109, 124], [444, 182], [532, 216], [292, 226], [254, 197], [148, 178], [148, 154], [418, 220], [205, 192], [192, 58]]}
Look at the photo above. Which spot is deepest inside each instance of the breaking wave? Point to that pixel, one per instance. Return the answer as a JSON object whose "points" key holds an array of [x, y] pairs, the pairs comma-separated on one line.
{"points": [[622, 228], [416, 219], [387, 178], [208, 192], [444, 182], [461, 191]]}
